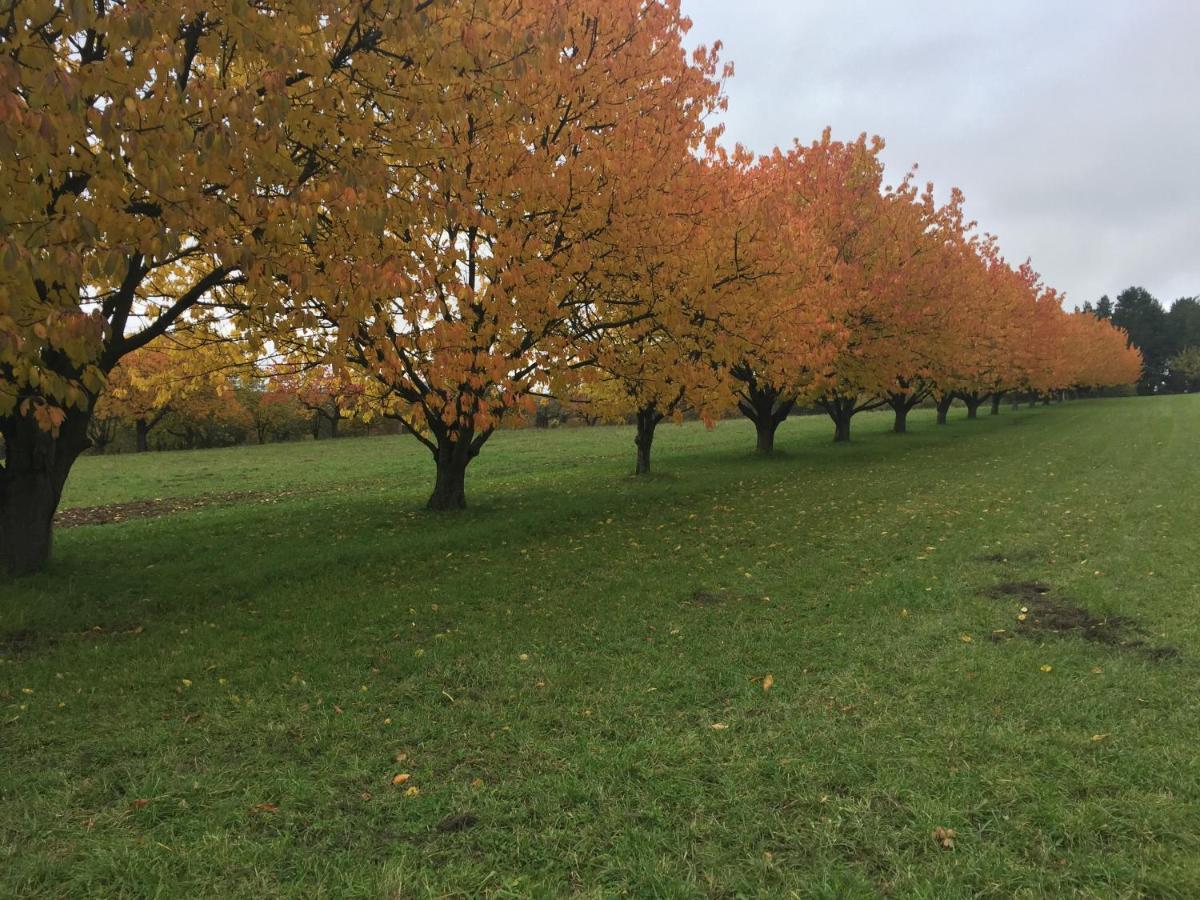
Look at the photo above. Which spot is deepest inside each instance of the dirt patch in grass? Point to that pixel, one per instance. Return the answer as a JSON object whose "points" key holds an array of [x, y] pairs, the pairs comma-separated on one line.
{"points": [[150, 509], [1014, 556], [1041, 614], [701, 597], [22, 641], [457, 822]]}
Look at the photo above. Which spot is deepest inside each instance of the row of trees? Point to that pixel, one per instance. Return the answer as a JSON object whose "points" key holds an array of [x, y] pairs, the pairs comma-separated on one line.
{"points": [[1169, 340], [460, 208], [187, 390]]}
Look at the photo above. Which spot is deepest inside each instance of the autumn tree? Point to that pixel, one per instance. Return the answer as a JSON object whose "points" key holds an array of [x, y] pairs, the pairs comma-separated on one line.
{"points": [[331, 395], [785, 319], [887, 286], [155, 156], [460, 287], [677, 286]]}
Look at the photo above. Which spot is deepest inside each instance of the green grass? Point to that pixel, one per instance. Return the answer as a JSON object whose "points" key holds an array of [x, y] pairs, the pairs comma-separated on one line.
{"points": [[552, 662]]}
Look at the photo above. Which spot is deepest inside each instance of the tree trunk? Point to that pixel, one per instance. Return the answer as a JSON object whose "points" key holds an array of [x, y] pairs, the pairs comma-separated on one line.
{"points": [[841, 410], [943, 406], [1046, 400], [996, 397], [841, 429], [334, 420], [901, 404], [765, 406], [316, 426], [455, 447], [647, 420], [973, 402], [142, 431], [36, 466]]}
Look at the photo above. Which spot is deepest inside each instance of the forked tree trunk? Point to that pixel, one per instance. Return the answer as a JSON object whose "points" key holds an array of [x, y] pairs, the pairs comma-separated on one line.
{"points": [[901, 404], [973, 402], [764, 405], [841, 410], [36, 466], [647, 420], [944, 402], [996, 397], [456, 447]]}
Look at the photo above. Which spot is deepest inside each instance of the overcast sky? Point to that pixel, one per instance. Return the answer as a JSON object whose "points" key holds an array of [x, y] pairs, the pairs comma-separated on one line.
{"points": [[1073, 126]]}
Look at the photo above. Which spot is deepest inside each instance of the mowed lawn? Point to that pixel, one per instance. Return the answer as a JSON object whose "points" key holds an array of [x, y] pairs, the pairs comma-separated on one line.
{"points": [[573, 672]]}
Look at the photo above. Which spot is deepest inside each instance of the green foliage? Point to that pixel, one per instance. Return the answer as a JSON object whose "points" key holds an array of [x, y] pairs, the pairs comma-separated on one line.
{"points": [[552, 662]]}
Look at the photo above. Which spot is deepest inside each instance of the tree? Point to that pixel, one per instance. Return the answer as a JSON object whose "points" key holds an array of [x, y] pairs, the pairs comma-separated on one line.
{"points": [[786, 323], [156, 156], [1144, 320], [461, 288], [1185, 367], [890, 288], [672, 286], [1183, 324], [330, 394]]}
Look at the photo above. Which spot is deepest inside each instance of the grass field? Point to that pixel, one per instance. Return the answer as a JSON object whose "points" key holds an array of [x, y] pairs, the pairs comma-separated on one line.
{"points": [[572, 672]]}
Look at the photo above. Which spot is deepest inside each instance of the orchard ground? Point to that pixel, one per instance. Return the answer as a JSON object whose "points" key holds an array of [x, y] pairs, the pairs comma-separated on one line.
{"points": [[573, 673]]}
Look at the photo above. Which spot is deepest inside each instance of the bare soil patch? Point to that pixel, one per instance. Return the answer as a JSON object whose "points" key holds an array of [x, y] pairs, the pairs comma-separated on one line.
{"points": [[1041, 614], [149, 509]]}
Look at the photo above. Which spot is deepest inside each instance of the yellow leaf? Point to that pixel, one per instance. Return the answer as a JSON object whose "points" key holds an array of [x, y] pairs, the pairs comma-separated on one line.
{"points": [[768, 682]]}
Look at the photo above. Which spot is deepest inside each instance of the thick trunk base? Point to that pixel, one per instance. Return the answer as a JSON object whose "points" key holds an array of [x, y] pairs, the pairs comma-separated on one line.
{"points": [[450, 487], [764, 405], [36, 466], [647, 421], [765, 432], [996, 404], [943, 408]]}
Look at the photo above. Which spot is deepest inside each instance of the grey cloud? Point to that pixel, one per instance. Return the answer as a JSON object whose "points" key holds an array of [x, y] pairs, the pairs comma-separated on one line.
{"points": [[1072, 126]]}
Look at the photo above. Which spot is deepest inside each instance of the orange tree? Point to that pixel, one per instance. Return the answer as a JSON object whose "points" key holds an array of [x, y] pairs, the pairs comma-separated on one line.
{"points": [[330, 394], [888, 287], [677, 286], [557, 123], [784, 319], [155, 154], [990, 299]]}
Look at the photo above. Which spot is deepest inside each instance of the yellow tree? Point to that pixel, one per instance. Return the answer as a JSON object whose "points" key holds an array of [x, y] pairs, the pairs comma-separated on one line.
{"points": [[557, 122], [676, 286], [154, 156], [192, 374]]}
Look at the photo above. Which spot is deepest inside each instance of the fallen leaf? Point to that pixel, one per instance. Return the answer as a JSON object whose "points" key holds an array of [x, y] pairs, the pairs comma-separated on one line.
{"points": [[139, 804], [1096, 738], [768, 682], [265, 807], [412, 791], [965, 638], [401, 778], [718, 726], [945, 837], [1047, 668]]}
